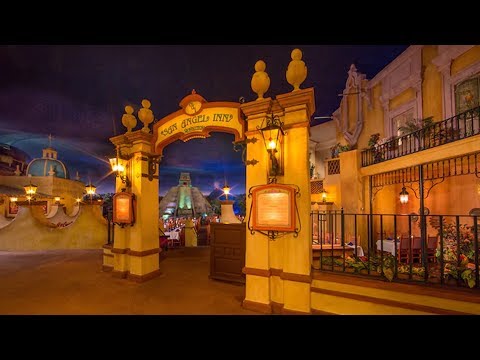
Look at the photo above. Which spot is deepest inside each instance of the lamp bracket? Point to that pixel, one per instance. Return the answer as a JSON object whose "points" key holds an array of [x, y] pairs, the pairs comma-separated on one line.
{"points": [[427, 186], [375, 190], [243, 145], [153, 162]]}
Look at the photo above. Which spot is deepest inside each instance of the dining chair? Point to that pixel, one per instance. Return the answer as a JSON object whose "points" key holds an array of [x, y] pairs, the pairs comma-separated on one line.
{"points": [[432, 242], [417, 249], [403, 251]]}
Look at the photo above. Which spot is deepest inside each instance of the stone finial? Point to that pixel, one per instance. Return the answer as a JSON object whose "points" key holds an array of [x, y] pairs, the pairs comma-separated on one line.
{"points": [[145, 115], [17, 171], [260, 80], [77, 177], [129, 120], [297, 70], [51, 172]]}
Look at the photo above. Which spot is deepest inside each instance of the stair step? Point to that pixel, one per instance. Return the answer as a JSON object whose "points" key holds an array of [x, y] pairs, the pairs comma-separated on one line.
{"points": [[343, 294]]}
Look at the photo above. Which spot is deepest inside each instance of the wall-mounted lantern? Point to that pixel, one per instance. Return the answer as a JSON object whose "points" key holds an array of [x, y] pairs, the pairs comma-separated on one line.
{"points": [[119, 169], [272, 134]]}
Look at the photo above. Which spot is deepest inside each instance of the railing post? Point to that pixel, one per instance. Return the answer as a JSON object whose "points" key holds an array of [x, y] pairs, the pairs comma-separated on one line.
{"points": [[475, 247], [370, 224], [423, 222], [342, 227]]}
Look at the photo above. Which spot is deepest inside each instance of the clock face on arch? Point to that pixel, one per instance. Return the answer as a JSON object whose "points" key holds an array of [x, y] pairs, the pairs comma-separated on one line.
{"points": [[193, 107]]}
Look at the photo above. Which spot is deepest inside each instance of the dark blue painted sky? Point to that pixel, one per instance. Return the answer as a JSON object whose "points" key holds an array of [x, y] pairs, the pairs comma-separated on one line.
{"points": [[78, 94]]}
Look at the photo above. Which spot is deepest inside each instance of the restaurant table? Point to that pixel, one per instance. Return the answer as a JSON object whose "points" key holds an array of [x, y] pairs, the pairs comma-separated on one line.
{"points": [[388, 245], [337, 248]]}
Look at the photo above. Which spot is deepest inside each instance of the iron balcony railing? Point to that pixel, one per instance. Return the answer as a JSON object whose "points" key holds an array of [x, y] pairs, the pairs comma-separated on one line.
{"points": [[455, 128], [393, 247]]}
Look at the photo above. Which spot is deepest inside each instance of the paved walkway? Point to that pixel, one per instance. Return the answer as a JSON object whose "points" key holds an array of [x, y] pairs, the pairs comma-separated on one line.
{"points": [[72, 282]]}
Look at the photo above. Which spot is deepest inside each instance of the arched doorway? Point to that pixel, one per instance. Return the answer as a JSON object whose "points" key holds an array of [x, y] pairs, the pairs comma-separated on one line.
{"points": [[277, 272]]}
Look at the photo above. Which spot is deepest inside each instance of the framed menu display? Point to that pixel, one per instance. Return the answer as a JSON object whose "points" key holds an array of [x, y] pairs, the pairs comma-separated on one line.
{"points": [[273, 208], [123, 208]]}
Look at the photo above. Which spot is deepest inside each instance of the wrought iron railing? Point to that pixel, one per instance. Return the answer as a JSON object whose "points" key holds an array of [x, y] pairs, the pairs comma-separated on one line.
{"points": [[393, 247], [455, 128]]}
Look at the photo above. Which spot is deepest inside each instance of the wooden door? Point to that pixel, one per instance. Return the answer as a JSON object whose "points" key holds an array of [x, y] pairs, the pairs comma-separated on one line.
{"points": [[227, 252]]}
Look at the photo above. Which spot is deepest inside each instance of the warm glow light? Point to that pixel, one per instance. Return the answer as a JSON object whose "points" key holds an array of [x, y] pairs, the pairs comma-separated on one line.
{"points": [[324, 196], [29, 197], [30, 189], [404, 196], [226, 190], [57, 198], [272, 144], [90, 189], [78, 200], [13, 199], [113, 163], [120, 168]]}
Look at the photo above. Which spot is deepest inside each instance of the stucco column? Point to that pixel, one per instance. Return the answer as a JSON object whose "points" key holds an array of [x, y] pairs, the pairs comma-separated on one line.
{"points": [[278, 271], [297, 251], [121, 264], [257, 266], [136, 247]]}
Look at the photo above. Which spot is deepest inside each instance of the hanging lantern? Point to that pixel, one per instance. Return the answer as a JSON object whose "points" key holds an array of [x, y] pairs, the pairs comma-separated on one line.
{"points": [[404, 196], [272, 134]]}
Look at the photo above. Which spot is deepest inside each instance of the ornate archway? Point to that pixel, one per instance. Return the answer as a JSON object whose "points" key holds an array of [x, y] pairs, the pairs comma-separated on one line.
{"points": [[278, 272]]}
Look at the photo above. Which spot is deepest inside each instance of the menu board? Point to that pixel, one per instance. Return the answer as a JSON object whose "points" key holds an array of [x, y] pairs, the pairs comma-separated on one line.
{"points": [[123, 208], [273, 208]]}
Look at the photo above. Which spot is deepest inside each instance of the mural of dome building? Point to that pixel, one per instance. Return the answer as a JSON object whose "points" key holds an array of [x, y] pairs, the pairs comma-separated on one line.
{"points": [[48, 173], [48, 165], [184, 200]]}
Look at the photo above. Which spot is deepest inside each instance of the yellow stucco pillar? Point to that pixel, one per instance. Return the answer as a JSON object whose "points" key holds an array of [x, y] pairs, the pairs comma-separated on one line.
{"points": [[354, 200], [297, 251], [257, 265], [136, 247], [278, 271]]}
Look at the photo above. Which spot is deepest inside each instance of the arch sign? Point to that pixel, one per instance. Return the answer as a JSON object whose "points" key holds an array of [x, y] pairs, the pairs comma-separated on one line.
{"points": [[196, 119]]}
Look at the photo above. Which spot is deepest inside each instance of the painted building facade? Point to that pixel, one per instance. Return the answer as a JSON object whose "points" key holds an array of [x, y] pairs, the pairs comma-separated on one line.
{"points": [[423, 108]]}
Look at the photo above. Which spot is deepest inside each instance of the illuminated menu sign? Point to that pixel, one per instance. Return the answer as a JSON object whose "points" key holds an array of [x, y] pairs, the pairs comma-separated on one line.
{"points": [[273, 208], [123, 208]]}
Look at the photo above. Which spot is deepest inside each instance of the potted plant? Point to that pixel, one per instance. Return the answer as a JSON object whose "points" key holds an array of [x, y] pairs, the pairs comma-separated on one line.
{"points": [[338, 148], [414, 126]]}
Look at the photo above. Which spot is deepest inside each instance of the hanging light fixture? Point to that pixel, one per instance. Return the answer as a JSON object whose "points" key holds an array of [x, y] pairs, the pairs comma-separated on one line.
{"points": [[272, 134], [57, 199], [13, 199], [404, 195]]}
